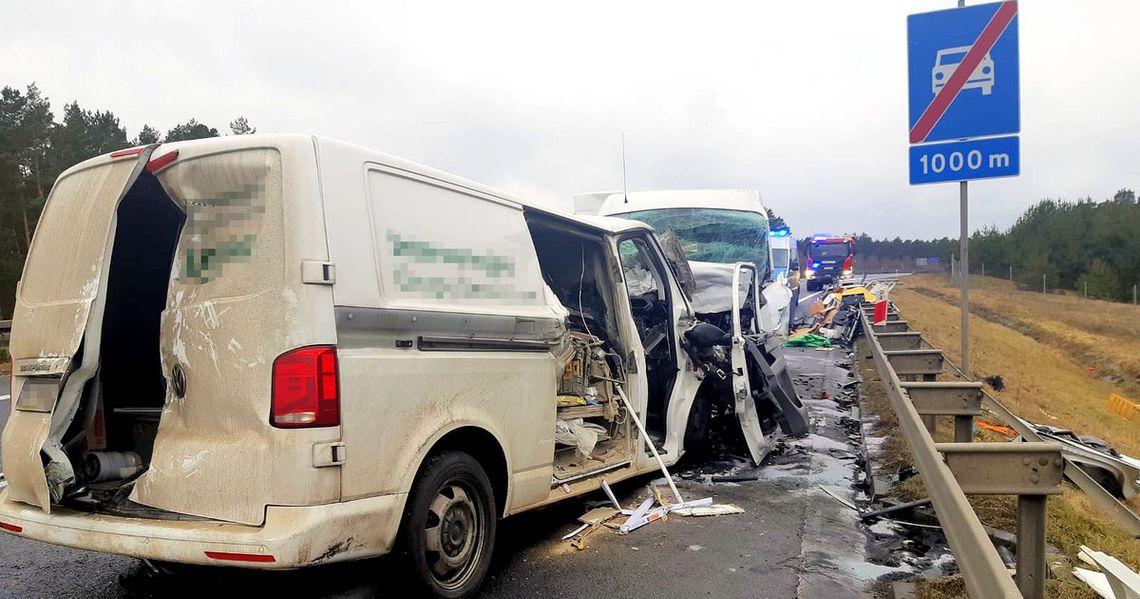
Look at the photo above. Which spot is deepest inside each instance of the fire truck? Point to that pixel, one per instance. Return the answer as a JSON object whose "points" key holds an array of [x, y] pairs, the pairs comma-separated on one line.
{"points": [[829, 258]]}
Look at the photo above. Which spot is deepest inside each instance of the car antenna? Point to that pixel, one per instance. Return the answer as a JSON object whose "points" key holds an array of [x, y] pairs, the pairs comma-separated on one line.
{"points": [[624, 187]]}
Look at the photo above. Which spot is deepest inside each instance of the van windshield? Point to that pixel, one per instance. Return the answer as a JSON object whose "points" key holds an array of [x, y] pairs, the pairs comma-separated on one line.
{"points": [[713, 234]]}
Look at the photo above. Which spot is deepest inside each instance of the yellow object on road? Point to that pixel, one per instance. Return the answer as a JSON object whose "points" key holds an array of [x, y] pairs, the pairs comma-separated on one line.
{"points": [[868, 295], [1118, 404]]}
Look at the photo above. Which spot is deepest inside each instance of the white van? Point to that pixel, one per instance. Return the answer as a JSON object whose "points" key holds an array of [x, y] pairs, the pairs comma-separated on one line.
{"points": [[272, 351]]}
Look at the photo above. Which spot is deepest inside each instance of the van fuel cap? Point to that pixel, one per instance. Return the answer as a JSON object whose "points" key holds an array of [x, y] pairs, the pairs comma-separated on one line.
{"points": [[178, 381]]}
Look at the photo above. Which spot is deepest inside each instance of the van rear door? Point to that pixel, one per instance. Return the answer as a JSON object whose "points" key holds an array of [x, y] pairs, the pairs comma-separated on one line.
{"points": [[59, 290], [236, 303]]}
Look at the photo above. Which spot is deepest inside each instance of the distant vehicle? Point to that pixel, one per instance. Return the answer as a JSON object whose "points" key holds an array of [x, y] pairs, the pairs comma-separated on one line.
{"points": [[785, 260], [948, 59], [830, 257]]}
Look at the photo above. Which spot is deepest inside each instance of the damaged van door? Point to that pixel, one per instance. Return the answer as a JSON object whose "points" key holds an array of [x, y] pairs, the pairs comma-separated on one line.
{"points": [[56, 323]]}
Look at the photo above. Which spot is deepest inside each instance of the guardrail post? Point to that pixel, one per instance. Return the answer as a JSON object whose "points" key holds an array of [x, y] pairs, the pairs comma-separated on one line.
{"points": [[930, 421], [1030, 470], [1031, 546], [963, 429]]}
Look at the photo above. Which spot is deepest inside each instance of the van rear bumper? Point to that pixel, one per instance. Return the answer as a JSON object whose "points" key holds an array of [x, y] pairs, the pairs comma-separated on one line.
{"points": [[292, 537]]}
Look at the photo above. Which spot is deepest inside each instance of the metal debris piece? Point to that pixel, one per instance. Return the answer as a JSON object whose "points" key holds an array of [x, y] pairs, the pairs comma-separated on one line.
{"points": [[839, 499], [720, 509]]}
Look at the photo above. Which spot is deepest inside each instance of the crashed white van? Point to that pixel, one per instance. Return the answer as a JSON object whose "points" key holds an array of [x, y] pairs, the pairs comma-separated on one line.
{"points": [[277, 351]]}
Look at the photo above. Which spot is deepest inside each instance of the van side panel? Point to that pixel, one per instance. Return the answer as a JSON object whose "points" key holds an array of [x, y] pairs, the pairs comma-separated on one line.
{"points": [[216, 454], [440, 260], [402, 402]]}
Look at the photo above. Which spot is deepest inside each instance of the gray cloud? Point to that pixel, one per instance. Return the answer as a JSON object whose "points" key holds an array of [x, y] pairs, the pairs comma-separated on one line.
{"points": [[803, 101]]}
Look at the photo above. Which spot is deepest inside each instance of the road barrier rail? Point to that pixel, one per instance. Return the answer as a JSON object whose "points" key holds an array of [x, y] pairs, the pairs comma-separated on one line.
{"points": [[910, 369]]}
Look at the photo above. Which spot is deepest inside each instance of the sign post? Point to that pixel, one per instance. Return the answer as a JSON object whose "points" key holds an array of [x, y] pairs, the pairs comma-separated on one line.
{"points": [[964, 91]]}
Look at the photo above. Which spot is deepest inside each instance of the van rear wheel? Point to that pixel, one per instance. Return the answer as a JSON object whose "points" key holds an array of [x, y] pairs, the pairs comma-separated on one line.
{"points": [[449, 526]]}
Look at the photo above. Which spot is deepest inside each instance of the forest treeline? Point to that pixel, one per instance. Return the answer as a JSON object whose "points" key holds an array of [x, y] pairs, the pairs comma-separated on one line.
{"points": [[36, 145], [1069, 243]]}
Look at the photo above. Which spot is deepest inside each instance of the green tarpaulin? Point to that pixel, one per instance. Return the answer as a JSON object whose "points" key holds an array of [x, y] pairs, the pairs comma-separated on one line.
{"points": [[809, 340]]}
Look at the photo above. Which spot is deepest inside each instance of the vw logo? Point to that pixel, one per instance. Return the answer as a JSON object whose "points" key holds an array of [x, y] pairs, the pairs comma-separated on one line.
{"points": [[178, 381]]}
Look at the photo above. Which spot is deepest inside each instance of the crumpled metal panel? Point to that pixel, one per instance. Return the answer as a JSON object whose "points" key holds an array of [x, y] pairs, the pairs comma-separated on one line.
{"points": [[231, 310]]}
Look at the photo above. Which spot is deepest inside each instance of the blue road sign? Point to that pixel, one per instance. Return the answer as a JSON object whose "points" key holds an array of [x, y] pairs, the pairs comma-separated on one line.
{"points": [[963, 73], [965, 160]]}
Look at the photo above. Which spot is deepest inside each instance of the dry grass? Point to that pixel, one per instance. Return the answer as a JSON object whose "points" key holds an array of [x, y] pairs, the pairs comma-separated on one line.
{"points": [[1043, 346], [953, 587]]}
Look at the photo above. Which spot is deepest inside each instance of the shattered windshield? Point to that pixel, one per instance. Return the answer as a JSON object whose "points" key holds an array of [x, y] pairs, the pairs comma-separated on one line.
{"points": [[713, 235]]}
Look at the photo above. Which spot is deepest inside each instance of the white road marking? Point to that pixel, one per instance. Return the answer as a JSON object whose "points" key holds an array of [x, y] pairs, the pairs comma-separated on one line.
{"points": [[3, 397]]}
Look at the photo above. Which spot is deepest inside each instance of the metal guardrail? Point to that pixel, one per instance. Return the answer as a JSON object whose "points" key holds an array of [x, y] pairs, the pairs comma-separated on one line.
{"points": [[951, 471]]}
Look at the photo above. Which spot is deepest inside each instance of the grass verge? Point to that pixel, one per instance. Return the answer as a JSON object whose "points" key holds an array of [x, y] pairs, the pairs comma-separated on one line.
{"points": [[1044, 383]]}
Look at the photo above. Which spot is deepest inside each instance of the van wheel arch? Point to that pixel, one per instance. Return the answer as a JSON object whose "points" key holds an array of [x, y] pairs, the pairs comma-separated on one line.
{"points": [[485, 448]]}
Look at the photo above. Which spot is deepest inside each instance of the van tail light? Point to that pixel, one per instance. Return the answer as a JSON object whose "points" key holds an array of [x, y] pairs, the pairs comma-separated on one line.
{"points": [[306, 392], [127, 152], [11, 527], [156, 164]]}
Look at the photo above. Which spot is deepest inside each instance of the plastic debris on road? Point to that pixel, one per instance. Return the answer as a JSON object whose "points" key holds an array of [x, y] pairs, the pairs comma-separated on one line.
{"points": [[808, 340]]}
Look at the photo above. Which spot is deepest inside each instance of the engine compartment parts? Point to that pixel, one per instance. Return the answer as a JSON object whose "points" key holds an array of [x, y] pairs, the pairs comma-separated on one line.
{"points": [[592, 429]]}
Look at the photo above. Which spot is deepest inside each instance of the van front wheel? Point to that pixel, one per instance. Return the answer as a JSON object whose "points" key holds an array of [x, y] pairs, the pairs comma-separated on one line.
{"points": [[449, 526]]}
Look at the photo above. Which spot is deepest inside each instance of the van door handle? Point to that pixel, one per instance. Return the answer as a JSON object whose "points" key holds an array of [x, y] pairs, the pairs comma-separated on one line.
{"points": [[328, 454], [316, 272]]}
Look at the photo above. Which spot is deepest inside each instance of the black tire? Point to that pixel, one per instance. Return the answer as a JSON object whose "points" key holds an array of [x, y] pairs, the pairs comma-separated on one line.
{"points": [[448, 531]]}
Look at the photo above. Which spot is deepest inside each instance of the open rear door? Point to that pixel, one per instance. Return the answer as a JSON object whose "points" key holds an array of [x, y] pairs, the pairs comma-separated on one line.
{"points": [[58, 307]]}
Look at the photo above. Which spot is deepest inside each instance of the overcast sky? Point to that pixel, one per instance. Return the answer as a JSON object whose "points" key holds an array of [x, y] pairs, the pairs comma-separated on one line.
{"points": [[804, 101]]}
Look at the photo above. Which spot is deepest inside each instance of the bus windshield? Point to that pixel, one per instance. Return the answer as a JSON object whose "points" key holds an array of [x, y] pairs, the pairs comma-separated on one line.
{"points": [[713, 234]]}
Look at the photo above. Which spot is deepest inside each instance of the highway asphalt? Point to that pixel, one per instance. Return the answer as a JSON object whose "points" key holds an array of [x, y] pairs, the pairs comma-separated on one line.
{"points": [[793, 539]]}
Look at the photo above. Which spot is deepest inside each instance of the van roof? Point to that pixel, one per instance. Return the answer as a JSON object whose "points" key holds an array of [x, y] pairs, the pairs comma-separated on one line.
{"points": [[281, 140], [747, 200]]}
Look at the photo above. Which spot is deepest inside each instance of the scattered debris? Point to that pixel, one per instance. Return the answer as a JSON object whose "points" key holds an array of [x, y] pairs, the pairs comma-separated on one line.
{"points": [[1096, 581], [610, 494], [996, 428], [892, 509], [1121, 581], [808, 340], [995, 382], [839, 499], [576, 531], [720, 509], [734, 478], [599, 514], [648, 442], [580, 434]]}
